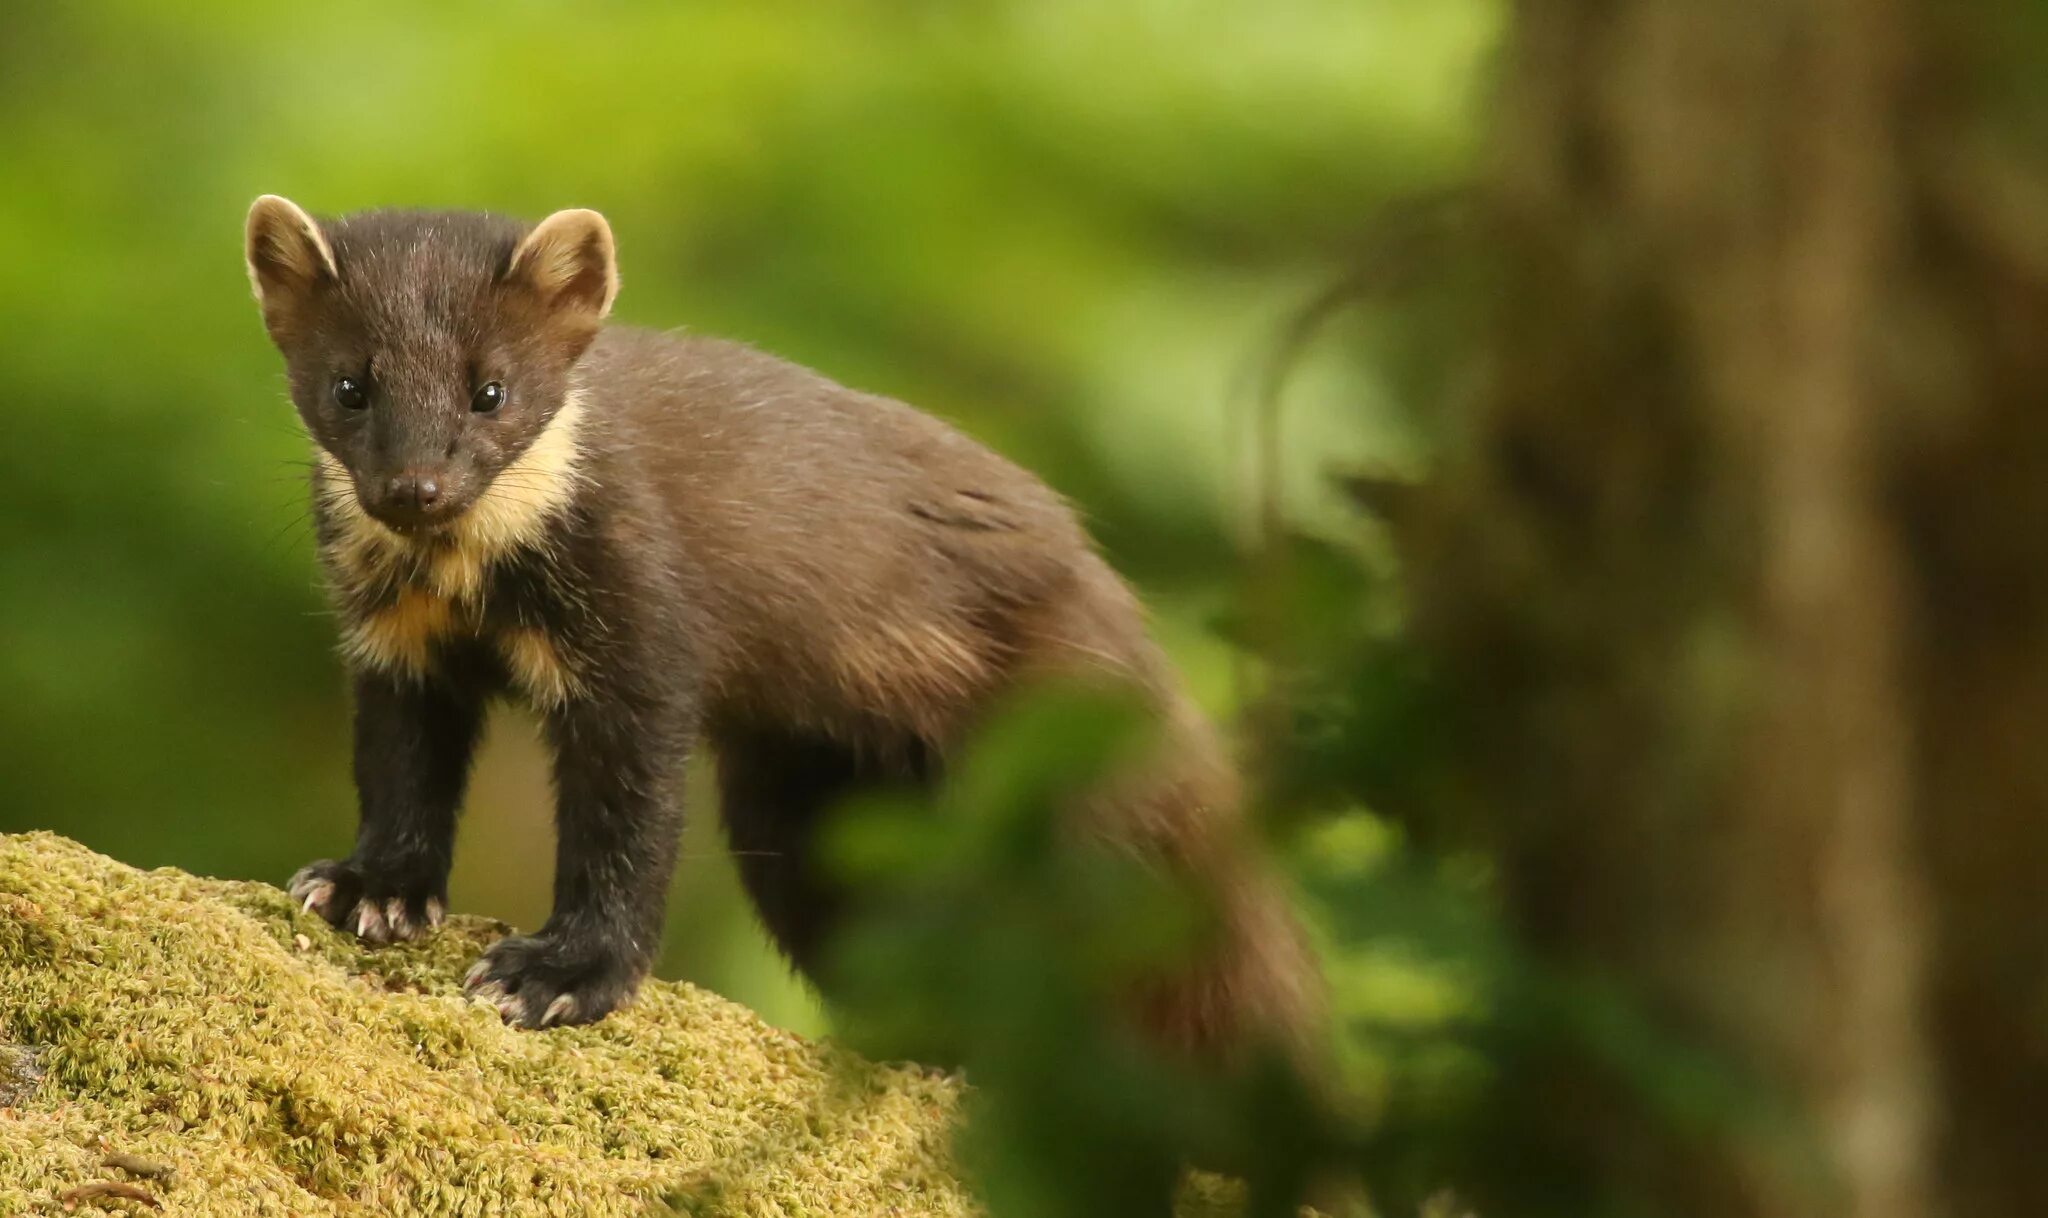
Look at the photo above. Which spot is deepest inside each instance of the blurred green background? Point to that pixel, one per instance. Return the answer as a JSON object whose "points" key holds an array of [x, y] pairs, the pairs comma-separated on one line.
{"points": [[1074, 227]]}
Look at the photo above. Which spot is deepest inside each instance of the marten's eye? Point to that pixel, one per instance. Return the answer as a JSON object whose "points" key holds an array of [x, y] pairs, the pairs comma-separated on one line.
{"points": [[349, 394], [488, 398]]}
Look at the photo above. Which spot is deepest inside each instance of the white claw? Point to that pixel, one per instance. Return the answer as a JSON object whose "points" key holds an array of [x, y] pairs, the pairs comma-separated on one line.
{"points": [[318, 893], [475, 974], [562, 1008], [512, 1008], [370, 922], [399, 921], [435, 911]]}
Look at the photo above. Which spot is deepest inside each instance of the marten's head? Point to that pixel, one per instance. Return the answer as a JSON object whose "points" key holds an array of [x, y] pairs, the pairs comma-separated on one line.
{"points": [[429, 353]]}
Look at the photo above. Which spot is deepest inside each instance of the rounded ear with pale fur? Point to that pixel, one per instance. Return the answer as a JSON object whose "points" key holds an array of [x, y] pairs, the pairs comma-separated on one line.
{"points": [[568, 260], [288, 258]]}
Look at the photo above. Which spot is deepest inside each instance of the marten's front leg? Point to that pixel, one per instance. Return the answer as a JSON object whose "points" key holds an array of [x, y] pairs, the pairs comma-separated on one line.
{"points": [[618, 767], [414, 740]]}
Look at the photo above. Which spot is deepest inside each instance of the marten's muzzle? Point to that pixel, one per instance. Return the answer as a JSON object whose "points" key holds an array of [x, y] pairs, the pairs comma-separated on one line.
{"points": [[416, 497]]}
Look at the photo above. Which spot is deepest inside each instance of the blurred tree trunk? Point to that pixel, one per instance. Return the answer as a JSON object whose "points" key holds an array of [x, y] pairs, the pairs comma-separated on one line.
{"points": [[1740, 565]]}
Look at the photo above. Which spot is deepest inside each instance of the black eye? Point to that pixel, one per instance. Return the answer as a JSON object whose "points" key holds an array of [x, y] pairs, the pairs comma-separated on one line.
{"points": [[349, 394], [488, 398]]}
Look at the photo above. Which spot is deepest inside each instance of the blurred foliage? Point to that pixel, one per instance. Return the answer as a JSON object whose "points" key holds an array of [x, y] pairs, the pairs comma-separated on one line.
{"points": [[991, 939], [1084, 231]]}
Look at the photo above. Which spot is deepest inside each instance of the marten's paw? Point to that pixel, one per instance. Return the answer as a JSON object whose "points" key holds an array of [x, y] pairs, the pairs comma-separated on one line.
{"points": [[540, 981], [340, 891]]}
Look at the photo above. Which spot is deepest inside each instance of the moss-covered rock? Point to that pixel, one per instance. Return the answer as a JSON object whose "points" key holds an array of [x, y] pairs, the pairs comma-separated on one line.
{"points": [[206, 1041], [281, 1068]]}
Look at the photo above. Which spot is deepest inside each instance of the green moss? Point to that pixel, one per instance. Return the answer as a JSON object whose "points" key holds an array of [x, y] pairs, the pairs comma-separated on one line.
{"points": [[179, 1019], [281, 1068]]}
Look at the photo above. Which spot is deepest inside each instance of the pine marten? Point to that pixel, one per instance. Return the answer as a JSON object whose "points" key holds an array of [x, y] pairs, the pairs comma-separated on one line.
{"points": [[658, 540]]}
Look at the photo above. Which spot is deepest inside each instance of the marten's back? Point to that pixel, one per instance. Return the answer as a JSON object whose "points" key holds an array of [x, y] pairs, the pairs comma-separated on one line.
{"points": [[862, 565]]}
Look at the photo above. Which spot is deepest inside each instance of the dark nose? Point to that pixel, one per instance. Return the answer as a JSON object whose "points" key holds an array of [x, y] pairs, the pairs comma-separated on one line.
{"points": [[413, 494], [417, 488]]}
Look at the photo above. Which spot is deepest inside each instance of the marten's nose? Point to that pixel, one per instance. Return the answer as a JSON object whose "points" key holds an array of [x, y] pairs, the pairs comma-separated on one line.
{"points": [[413, 496], [415, 486]]}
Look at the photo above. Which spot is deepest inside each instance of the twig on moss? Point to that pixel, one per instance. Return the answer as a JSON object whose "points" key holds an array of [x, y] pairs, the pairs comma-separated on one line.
{"points": [[70, 1197]]}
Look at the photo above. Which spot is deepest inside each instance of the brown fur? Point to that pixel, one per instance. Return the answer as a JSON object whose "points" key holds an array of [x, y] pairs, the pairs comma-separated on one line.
{"points": [[664, 538]]}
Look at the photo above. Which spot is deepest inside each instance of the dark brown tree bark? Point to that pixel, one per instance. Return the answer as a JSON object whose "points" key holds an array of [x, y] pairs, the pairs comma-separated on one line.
{"points": [[1741, 569]]}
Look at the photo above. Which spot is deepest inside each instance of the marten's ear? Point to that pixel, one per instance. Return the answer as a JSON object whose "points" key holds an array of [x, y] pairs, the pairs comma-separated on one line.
{"points": [[568, 260], [288, 257]]}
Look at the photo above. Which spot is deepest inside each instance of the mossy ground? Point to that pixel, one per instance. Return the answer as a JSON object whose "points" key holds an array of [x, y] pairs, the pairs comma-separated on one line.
{"points": [[280, 1068]]}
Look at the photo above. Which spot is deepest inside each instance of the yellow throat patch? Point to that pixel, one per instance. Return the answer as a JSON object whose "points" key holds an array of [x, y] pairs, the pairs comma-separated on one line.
{"points": [[441, 590]]}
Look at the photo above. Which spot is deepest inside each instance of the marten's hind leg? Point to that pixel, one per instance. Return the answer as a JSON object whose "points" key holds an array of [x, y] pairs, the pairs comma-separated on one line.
{"points": [[775, 787]]}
